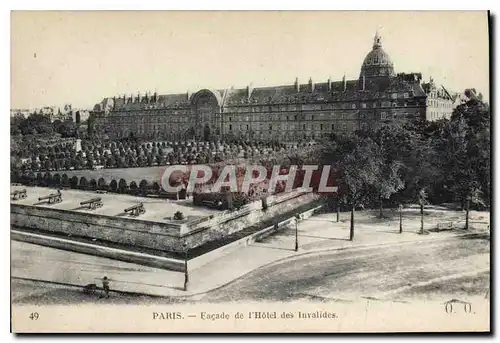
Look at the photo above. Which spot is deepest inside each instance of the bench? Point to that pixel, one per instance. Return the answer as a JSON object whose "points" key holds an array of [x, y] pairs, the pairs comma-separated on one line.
{"points": [[212, 203], [445, 226]]}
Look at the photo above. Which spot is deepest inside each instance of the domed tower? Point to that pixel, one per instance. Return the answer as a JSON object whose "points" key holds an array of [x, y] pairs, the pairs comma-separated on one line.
{"points": [[377, 62]]}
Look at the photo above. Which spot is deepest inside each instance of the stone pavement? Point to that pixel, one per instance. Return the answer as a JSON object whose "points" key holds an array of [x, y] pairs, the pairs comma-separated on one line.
{"points": [[316, 234]]}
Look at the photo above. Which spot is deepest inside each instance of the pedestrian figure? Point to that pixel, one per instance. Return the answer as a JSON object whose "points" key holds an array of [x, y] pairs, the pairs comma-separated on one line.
{"points": [[105, 286]]}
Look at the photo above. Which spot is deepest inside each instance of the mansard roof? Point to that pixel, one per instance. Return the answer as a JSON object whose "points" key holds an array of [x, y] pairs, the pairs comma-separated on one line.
{"points": [[309, 92]]}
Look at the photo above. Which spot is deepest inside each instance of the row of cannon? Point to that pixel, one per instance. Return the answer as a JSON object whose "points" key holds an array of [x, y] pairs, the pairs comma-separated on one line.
{"points": [[93, 203]]}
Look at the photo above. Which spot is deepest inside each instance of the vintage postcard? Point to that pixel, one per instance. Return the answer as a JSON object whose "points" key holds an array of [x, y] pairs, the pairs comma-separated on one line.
{"points": [[236, 172]]}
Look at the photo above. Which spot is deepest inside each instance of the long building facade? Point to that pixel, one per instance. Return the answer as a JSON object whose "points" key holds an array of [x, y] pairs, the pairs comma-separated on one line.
{"points": [[284, 113]]}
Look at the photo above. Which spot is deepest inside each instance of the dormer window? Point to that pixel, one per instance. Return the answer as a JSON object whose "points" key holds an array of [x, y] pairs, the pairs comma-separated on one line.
{"points": [[405, 95]]}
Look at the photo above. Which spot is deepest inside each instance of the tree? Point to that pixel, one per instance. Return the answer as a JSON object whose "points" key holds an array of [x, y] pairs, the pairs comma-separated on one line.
{"points": [[113, 185], [156, 187], [73, 182], [389, 170], [48, 180], [143, 186], [422, 200], [133, 186], [122, 186], [83, 182], [93, 184], [57, 179], [65, 180], [360, 169], [101, 183], [468, 154]]}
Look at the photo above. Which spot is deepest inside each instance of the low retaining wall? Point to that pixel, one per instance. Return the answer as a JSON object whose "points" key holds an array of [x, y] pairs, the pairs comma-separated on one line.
{"points": [[149, 234], [255, 237], [92, 249], [151, 260], [141, 233]]}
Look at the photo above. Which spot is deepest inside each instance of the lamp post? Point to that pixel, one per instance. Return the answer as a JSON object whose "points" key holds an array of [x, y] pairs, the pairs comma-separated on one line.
{"points": [[297, 217], [400, 218], [186, 273]]}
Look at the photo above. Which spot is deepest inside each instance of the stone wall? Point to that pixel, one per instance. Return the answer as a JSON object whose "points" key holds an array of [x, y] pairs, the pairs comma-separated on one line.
{"points": [[135, 232], [148, 234]]}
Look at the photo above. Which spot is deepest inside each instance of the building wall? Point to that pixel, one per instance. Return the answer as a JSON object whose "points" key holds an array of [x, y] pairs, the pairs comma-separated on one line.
{"points": [[283, 113], [272, 121]]}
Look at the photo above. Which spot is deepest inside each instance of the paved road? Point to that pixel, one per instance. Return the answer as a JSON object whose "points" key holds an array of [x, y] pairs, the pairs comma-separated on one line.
{"points": [[456, 267], [434, 270]]}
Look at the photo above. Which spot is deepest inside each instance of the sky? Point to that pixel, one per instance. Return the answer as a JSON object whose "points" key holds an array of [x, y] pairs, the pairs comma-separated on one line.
{"points": [[81, 57]]}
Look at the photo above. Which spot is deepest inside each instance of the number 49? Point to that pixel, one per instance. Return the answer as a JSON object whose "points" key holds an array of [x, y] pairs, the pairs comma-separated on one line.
{"points": [[34, 316]]}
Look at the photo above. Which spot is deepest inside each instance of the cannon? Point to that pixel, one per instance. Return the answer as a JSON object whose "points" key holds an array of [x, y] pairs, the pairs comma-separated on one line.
{"points": [[53, 198], [19, 194], [93, 203], [136, 210]]}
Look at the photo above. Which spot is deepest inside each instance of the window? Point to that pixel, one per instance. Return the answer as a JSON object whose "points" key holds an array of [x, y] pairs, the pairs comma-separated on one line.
{"points": [[353, 106], [405, 95], [230, 119], [295, 117], [230, 127], [321, 127], [363, 105], [270, 127], [312, 116], [333, 127], [374, 105], [383, 115], [394, 104], [394, 95], [304, 126]]}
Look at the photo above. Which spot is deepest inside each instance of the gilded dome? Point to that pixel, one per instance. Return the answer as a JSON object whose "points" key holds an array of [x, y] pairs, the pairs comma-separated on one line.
{"points": [[377, 62]]}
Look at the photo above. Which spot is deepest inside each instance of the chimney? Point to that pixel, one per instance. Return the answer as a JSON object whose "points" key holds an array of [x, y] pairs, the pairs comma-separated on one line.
{"points": [[297, 86], [344, 83], [138, 96], [249, 90], [188, 94], [311, 85], [329, 84], [155, 97]]}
